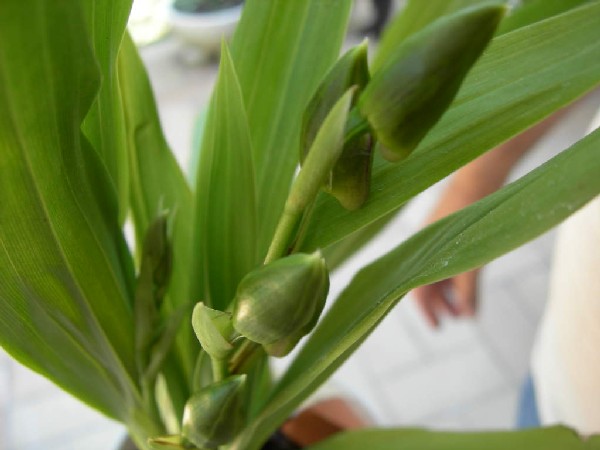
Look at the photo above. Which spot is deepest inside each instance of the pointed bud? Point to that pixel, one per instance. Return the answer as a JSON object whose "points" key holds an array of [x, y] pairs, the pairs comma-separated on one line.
{"points": [[350, 70], [152, 284], [351, 176], [350, 179], [280, 302], [214, 330], [215, 414], [409, 94], [158, 255]]}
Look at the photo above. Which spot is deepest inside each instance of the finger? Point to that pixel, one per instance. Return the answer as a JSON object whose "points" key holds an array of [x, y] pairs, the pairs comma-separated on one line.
{"points": [[434, 301], [424, 296], [444, 298], [466, 293]]}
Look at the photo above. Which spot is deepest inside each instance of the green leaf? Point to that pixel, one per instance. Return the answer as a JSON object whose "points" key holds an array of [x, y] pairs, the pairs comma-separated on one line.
{"points": [[104, 124], [554, 438], [465, 240], [339, 252], [415, 16], [281, 50], [532, 11], [226, 221], [523, 77], [67, 278], [157, 184]]}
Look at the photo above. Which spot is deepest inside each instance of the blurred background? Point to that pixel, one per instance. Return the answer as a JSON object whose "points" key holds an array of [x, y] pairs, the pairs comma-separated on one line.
{"points": [[465, 375]]}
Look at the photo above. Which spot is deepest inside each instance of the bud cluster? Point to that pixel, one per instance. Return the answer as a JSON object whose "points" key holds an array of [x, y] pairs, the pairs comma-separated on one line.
{"points": [[396, 106]]}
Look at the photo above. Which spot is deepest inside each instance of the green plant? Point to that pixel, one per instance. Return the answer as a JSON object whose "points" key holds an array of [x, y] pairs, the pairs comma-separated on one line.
{"points": [[82, 150]]}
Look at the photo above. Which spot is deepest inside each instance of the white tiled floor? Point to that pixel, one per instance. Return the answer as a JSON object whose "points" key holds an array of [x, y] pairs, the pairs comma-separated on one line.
{"points": [[464, 376]]}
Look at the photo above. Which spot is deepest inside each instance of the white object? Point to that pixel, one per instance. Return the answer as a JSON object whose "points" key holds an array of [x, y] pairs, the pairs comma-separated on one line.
{"points": [[205, 29], [566, 362]]}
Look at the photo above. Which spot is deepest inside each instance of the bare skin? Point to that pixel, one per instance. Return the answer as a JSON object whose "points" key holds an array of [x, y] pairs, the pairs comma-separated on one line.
{"points": [[457, 296]]}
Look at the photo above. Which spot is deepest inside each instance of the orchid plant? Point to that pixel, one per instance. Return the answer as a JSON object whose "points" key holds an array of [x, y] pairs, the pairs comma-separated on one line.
{"points": [[172, 335]]}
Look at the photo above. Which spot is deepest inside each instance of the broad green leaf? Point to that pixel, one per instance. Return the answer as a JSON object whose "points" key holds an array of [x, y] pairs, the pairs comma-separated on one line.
{"points": [[226, 221], [66, 291], [463, 241], [415, 16], [554, 438], [157, 184], [523, 77], [535, 10], [104, 123], [281, 50], [337, 253]]}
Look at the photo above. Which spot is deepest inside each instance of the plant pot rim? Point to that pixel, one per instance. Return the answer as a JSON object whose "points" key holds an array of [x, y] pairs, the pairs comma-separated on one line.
{"points": [[226, 16]]}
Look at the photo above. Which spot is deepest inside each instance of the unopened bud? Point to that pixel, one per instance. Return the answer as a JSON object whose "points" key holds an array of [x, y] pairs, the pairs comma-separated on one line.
{"points": [[157, 256], [215, 414], [214, 330], [280, 302], [350, 179], [409, 94], [350, 70]]}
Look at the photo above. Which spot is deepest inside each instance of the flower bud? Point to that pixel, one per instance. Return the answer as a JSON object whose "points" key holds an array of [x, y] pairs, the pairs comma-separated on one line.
{"points": [[152, 284], [350, 179], [214, 330], [409, 94], [157, 255], [215, 414], [350, 70], [278, 303]]}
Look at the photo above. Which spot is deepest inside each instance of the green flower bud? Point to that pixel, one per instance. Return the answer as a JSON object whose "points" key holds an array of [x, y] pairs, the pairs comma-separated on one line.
{"points": [[278, 303], [214, 330], [157, 255], [152, 284], [215, 414], [350, 179], [409, 94], [350, 70]]}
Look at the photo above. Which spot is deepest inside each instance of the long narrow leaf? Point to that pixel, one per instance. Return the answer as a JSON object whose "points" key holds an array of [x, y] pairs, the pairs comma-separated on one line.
{"points": [[226, 199], [65, 269], [281, 50], [555, 438], [465, 240], [104, 123], [533, 11], [523, 77]]}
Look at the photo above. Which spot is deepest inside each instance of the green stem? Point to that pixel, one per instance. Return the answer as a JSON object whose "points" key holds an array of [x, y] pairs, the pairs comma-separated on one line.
{"points": [[285, 232], [323, 154], [219, 369], [141, 426], [243, 356]]}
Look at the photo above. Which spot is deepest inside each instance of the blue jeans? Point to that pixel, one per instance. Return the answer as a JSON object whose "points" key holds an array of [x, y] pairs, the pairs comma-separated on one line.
{"points": [[527, 414]]}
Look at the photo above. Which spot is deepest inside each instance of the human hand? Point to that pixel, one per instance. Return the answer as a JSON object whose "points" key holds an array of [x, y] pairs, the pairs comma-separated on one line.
{"points": [[456, 296]]}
